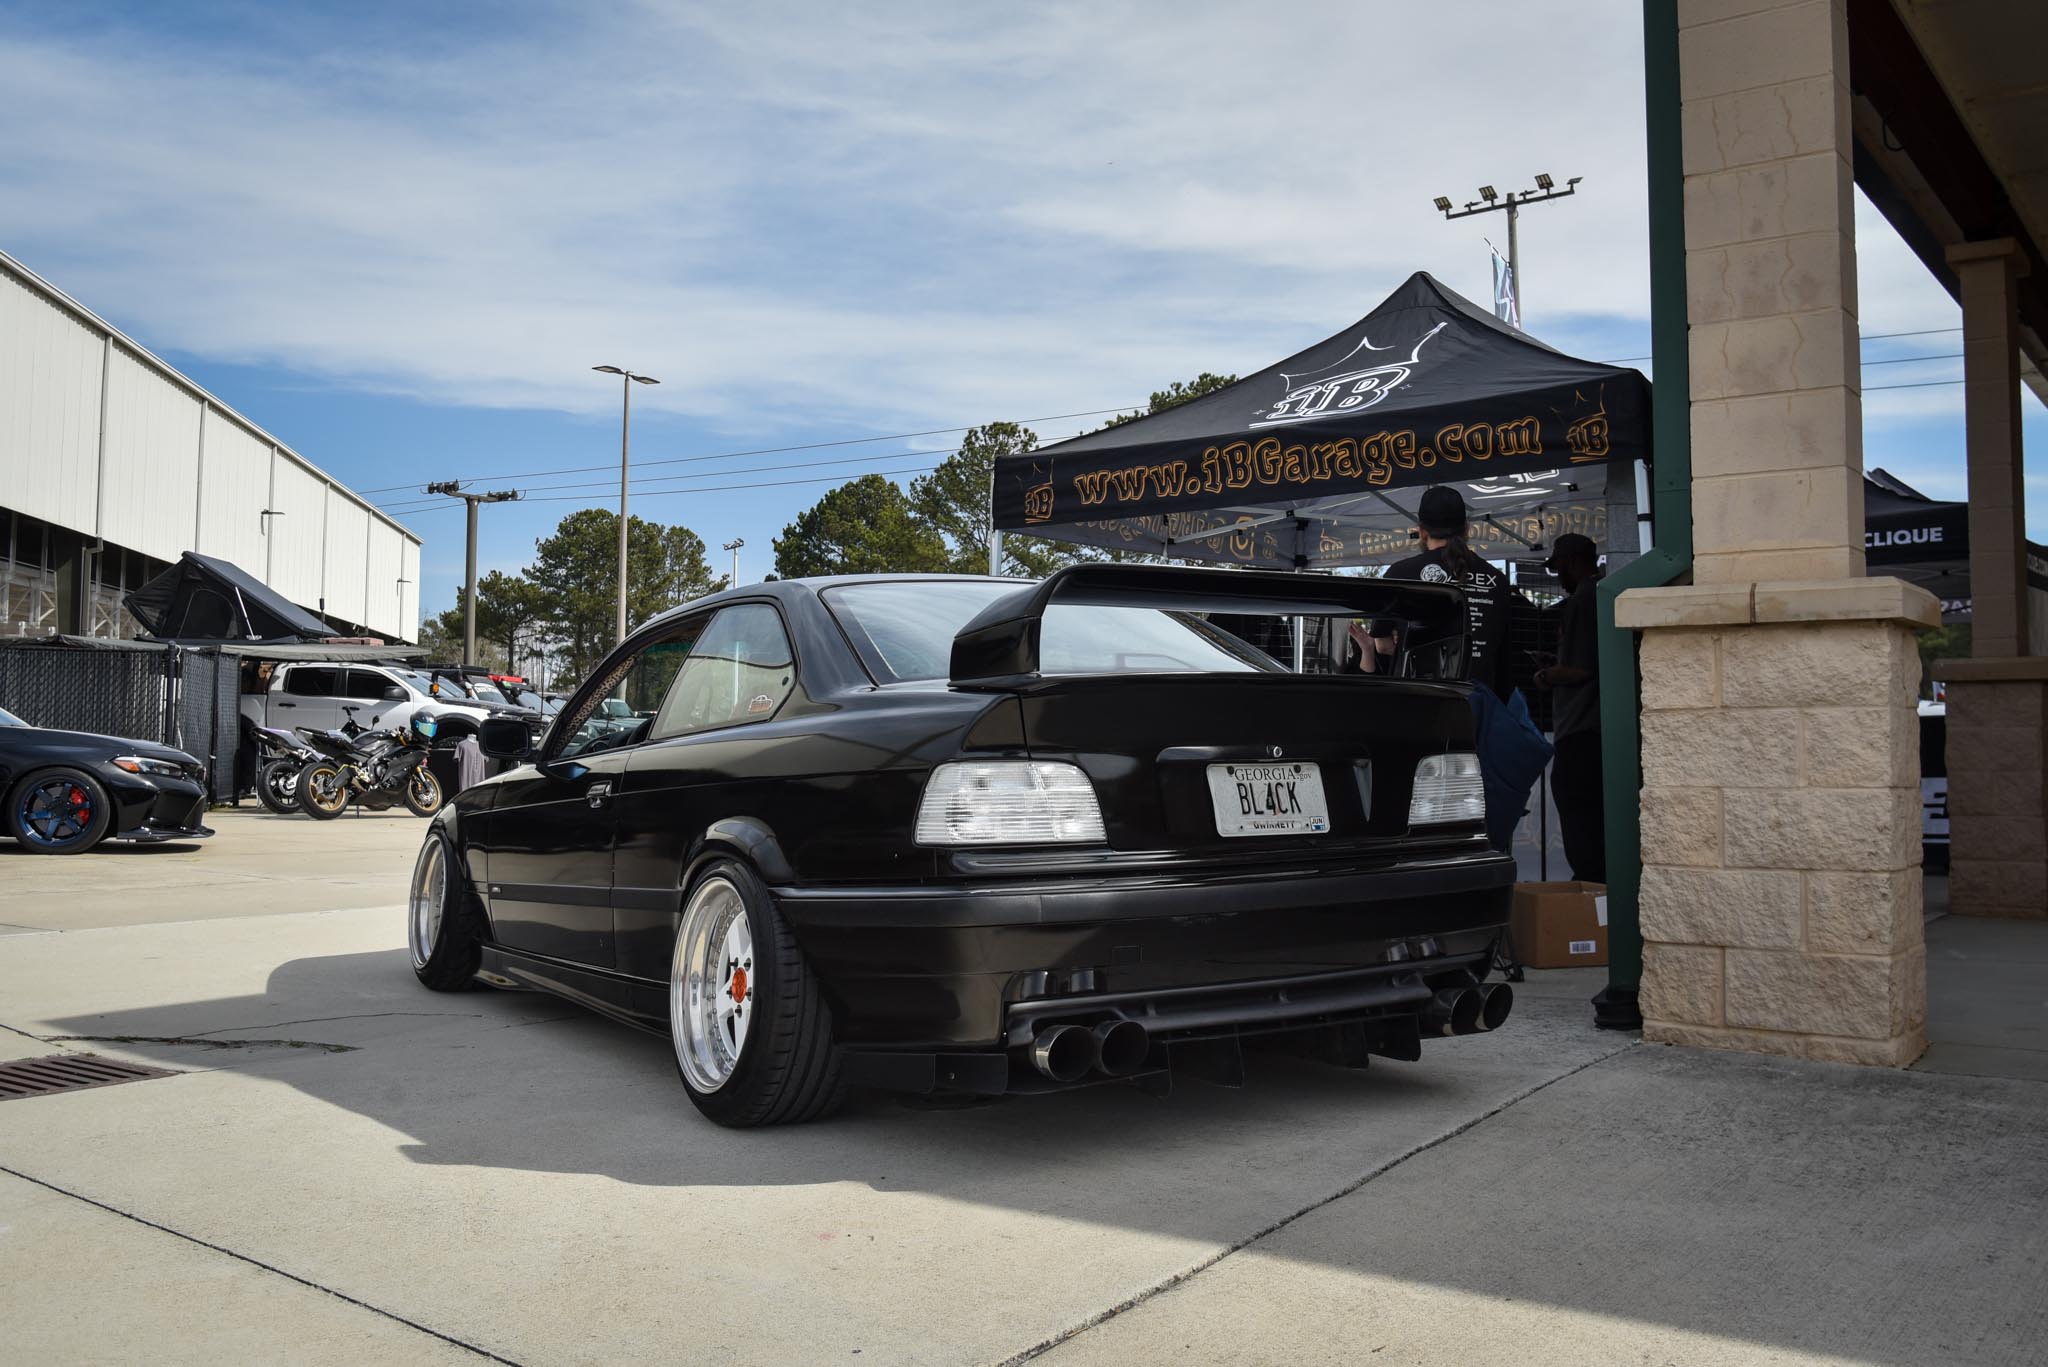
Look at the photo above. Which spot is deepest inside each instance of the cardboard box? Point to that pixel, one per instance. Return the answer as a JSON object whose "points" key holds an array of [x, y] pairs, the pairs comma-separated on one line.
{"points": [[1558, 925]]}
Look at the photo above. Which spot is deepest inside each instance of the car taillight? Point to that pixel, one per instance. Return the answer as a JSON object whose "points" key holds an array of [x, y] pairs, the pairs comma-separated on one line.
{"points": [[1447, 789], [1009, 802]]}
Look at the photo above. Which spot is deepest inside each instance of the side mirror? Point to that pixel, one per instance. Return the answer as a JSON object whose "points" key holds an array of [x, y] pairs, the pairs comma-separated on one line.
{"points": [[393, 693], [504, 738]]}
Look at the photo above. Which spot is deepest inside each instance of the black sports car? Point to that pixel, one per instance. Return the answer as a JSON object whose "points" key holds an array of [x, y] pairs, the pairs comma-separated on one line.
{"points": [[68, 790], [958, 835]]}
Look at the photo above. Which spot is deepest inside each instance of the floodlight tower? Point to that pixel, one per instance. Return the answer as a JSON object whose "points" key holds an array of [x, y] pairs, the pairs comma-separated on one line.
{"points": [[627, 379], [1490, 200]]}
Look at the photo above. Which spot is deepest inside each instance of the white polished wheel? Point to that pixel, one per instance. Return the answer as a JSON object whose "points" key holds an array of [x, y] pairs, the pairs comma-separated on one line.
{"points": [[429, 896], [711, 984]]}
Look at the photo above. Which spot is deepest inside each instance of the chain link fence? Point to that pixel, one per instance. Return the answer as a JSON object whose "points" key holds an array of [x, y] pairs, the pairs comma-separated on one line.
{"points": [[134, 690]]}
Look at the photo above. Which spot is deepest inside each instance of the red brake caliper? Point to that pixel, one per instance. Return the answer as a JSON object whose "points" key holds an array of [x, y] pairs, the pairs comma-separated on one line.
{"points": [[77, 798]]}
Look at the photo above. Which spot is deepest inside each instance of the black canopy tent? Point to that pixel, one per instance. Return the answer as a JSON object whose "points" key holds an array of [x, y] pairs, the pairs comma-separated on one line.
{"points": [[1319, 461], [203, 598], [1926, 541]]}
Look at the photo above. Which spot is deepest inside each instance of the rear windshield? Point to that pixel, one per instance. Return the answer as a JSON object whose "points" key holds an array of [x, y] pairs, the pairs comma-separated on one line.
{"points": [[908, 630]]}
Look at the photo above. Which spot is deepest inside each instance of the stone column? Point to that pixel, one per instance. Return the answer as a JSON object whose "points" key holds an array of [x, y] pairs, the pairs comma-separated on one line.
{"points": [[1781, 908], [1988, 273], [1998, 699], [1770, 238], [1780, 902]]}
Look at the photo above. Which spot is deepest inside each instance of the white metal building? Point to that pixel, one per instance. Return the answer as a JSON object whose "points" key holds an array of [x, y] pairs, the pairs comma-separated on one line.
{"points": [[112, 464]]}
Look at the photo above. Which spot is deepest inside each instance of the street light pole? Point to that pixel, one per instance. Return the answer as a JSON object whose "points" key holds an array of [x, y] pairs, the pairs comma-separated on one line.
{"points": [[734, 546], [1489, 201], [453, 488], [627, 379]]}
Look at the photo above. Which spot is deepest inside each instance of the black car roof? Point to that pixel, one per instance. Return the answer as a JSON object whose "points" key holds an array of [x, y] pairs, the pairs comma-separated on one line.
{"points": [[785, 589]]}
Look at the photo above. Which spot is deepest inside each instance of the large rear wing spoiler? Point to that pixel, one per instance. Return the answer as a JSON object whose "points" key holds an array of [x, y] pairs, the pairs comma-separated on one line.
{"points": [[999, 648]]}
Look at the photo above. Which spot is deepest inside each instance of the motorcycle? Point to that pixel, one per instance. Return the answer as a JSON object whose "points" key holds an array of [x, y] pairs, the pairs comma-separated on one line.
{"points": [[280, 755], [377, 769]]}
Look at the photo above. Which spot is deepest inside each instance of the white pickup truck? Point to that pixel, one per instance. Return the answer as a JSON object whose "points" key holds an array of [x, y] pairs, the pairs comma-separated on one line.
{"points": [[320, 697]]}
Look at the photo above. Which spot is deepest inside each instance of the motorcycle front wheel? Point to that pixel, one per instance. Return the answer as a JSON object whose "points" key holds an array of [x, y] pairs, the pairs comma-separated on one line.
{"points": [[323, 789], [277, 786], [423, 792]]}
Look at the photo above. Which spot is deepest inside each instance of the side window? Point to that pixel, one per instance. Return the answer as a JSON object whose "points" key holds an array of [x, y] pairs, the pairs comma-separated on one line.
{"points": [[741, 671], [367, 684], [312, 681], [616, 713]]}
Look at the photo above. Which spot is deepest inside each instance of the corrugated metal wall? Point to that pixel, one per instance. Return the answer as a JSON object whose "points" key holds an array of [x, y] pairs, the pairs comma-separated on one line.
{"points": [[348, 537], [49, 409], [149, 501], [180, 472], [236, 476], [297, 537]]}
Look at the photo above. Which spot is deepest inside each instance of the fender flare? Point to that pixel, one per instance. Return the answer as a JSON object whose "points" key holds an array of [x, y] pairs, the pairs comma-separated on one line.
{"points": [[750, 839]]}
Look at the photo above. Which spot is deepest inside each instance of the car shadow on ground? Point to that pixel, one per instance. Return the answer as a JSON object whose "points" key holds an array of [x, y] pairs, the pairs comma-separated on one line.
{"points": [[1579, 1171], [133, 849]]}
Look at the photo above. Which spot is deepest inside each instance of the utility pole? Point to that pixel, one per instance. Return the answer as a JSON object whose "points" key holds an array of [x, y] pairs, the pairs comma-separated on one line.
{"points": [[734, 546], [1489, 201], [453, 488], [627, 379], [995, 538]]}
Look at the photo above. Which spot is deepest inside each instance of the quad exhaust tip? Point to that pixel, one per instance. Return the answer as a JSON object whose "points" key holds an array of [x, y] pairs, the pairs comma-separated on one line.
{"points": [[1495, 1001], [1121, 1047], [1064, 1053]]}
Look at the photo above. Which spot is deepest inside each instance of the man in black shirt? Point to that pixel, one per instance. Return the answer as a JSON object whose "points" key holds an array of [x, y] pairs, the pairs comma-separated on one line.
{"points": [[1446, 559], [1575, 776]]}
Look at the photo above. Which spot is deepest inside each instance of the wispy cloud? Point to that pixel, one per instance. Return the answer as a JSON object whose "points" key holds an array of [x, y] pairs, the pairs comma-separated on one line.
{"points": [[857, 214]]}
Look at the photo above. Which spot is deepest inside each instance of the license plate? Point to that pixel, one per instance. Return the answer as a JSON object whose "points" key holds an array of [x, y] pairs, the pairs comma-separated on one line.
{"points": [[1268, 799]]}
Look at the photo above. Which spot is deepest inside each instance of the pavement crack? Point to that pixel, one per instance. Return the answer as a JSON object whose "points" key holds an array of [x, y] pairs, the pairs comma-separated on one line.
{"points": [[1046, 1345], [272, 1268], [322, 1020], [202, 1042]]}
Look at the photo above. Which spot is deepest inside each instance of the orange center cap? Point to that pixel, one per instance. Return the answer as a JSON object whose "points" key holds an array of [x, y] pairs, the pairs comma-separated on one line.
{"points": [[739, 984]]}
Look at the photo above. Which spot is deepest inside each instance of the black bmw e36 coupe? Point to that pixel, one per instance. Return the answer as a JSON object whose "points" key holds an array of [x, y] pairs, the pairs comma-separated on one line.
{"points": [[974, 836], [66, 791]]}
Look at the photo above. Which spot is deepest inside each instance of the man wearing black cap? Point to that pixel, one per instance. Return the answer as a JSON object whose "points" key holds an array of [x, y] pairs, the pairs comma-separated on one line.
{"points": [[1446, 559], [1575, 777]]}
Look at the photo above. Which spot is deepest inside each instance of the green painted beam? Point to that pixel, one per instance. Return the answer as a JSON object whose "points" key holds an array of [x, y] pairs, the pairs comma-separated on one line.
{"points": [[1671, 507]]}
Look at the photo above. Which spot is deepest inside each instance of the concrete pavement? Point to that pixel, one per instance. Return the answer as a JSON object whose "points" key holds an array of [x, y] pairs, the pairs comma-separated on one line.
{"points": [[348, 1167]]}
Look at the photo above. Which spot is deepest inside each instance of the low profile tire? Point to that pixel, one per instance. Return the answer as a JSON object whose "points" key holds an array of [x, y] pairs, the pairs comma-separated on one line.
{"points": [[422, 792], [323, 790], [59, 811], [751, 1029], [441, 920], [277, 786]]}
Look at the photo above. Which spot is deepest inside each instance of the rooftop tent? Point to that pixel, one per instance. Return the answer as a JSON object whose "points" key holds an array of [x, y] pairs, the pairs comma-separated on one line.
{"points": [[202, 598], [1320, 459]]}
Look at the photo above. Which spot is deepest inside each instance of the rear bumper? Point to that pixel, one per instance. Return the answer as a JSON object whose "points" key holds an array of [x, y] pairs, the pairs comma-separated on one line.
{"points": [[979, 967]]}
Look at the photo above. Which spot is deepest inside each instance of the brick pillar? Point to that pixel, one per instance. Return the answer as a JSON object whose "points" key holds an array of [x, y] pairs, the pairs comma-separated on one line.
{"points": [[1781, 908], [1780, 901]]}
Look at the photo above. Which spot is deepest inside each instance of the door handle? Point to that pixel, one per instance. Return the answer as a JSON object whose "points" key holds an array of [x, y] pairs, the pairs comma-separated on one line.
{"points": [[287, 704], [599, 792]]}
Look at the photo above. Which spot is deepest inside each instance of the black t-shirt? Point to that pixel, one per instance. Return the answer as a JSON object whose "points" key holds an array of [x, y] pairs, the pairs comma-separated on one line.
{"points": [[1486, 607]]}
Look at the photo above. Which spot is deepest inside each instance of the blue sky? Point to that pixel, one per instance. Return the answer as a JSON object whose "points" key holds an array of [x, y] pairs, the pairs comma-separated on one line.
{"points": [[398, 236]]}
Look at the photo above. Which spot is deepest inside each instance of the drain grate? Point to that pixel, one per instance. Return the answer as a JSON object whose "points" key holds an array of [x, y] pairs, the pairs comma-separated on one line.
{"points": [[68, 1073]]}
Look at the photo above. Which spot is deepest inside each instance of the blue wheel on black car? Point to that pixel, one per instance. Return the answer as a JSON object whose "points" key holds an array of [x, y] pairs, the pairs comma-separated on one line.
{"points": [[59, 811]]}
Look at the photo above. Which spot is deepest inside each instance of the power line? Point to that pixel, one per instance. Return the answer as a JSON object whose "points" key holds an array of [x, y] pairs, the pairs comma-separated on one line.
{"points": [[768, 450], [717, 474], [708, 489], [1868, 337]]}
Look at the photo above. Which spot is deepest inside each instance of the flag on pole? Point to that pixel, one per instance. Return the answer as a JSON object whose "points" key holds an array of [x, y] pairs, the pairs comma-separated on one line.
{"points": [[1504, 289]]}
